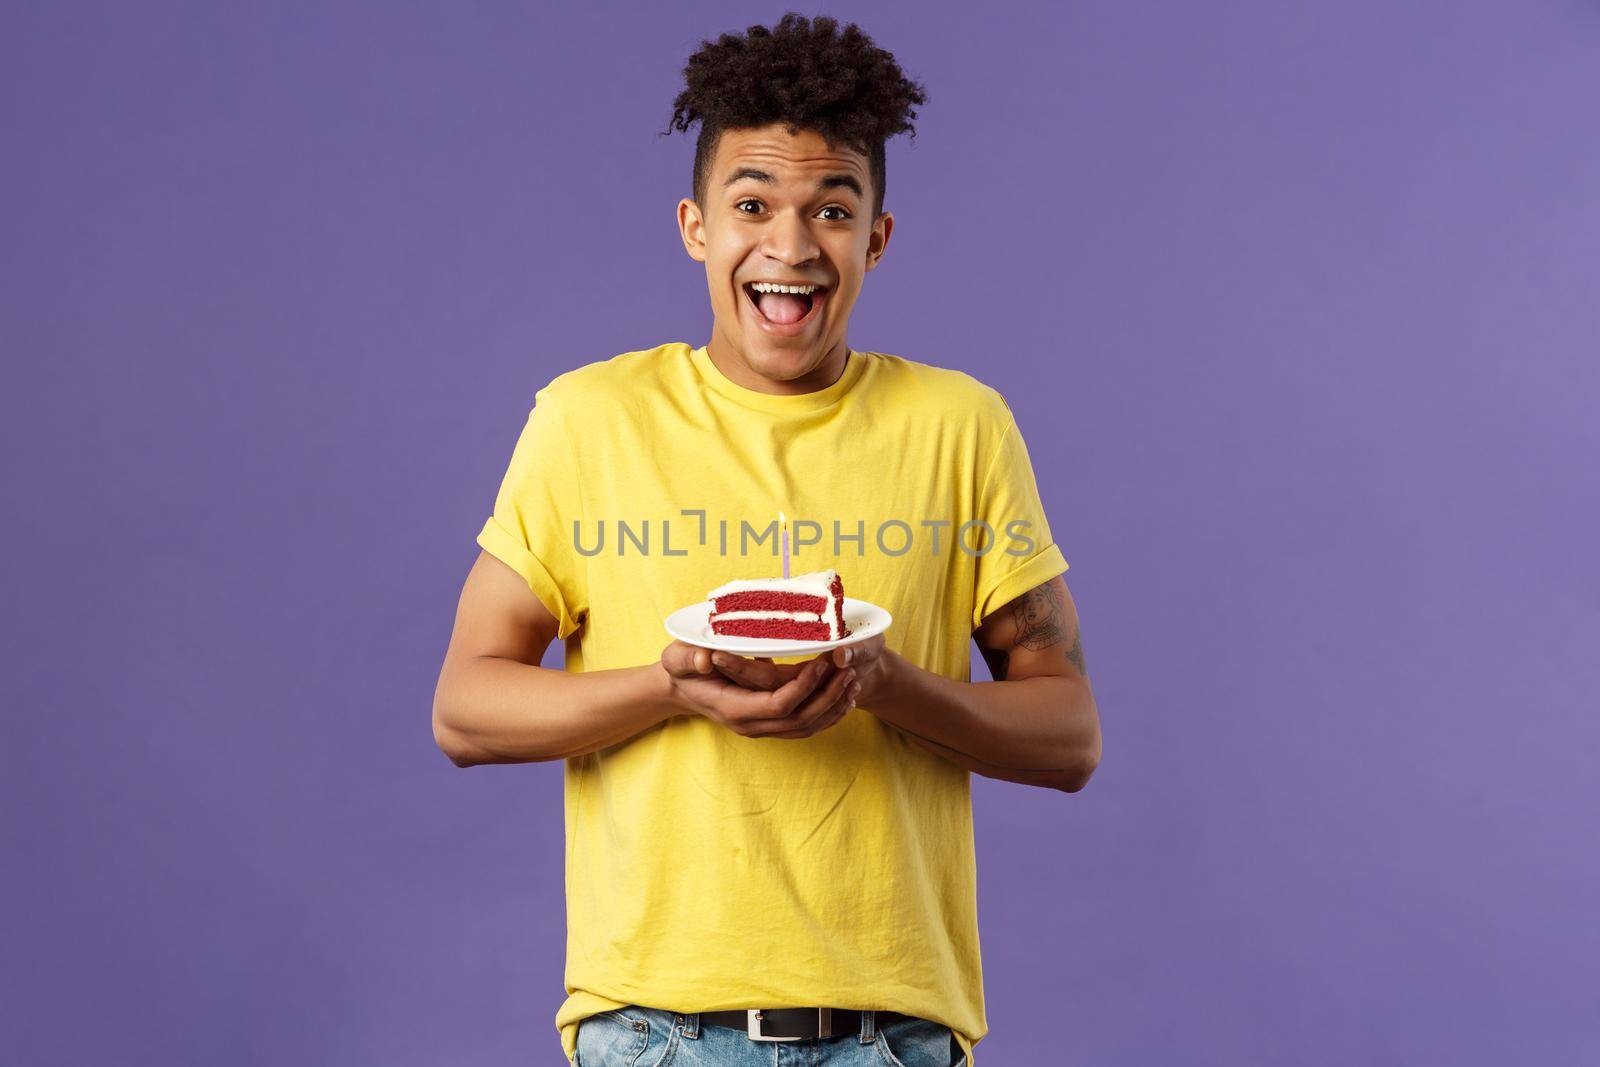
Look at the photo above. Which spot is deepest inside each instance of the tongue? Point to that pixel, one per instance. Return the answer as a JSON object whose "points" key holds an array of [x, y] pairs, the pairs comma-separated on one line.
{"points": [[783, 308]]}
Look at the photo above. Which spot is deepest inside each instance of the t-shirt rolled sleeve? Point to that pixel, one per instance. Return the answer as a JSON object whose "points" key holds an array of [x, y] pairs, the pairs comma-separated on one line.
{"points": [[539, 500], [1024, 554]]}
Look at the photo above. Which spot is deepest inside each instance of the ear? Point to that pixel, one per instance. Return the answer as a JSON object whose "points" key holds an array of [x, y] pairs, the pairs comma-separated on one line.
{"points": [[692, 228], [878, 240]]}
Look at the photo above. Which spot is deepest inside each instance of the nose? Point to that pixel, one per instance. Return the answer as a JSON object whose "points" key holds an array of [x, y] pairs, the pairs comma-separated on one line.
{"points": [[789, 241]]}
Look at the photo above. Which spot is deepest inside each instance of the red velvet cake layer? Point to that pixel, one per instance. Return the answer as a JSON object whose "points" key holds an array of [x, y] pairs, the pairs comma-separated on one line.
{"points": [[770, 600], [780, 629]]}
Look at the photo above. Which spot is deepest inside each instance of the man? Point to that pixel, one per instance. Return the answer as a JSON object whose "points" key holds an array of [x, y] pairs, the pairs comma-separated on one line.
{"points": [[764, 852]]}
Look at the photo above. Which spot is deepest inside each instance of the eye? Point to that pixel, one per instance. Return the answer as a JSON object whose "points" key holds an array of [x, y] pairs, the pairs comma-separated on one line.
{"points": [[843, 214], [739, 207]]}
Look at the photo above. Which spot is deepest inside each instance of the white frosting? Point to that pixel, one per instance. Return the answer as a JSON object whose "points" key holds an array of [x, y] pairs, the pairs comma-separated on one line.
{"points": [[816, 583]]}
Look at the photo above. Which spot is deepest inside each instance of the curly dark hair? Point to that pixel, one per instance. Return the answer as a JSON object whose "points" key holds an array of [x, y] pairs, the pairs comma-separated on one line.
{"points": [[805, 74]]}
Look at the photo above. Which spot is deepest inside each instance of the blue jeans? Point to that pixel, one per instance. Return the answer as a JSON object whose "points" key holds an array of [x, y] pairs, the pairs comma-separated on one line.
{"points": [[650, 1037]]}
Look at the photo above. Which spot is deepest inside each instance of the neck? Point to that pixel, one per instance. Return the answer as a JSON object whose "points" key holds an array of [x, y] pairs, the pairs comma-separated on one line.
{"points": [[732, 363]]}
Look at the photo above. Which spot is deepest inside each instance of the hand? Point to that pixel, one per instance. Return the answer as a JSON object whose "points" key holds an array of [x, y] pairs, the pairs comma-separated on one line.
{"points": [[791, 700], [870, 663], [865, 658]]}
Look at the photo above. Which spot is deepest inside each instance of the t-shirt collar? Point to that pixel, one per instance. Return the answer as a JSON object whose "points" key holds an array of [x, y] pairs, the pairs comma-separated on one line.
{"points": [[778, 403]]}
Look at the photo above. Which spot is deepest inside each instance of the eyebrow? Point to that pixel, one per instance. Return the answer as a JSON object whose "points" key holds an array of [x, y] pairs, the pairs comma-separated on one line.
{"points": [[832, 181]]}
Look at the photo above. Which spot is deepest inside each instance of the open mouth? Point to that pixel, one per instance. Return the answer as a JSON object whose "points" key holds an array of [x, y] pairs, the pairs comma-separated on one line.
{"points": [[784, 313]]}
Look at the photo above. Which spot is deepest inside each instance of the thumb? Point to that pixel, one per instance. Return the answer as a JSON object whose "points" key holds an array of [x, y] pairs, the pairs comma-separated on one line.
{"points": [[684, 660]]}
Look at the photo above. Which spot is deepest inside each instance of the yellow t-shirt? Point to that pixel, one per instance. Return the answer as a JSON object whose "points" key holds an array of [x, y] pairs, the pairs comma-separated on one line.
{"points": [[708, 870]]}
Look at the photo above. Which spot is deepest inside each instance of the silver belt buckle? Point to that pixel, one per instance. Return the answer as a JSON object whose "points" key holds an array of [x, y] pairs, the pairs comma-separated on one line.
{"points": [[753, 1019]]}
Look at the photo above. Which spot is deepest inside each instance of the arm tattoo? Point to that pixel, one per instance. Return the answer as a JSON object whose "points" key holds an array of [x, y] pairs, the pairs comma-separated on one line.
{"points": [[1037, 614], [1075, 654]]}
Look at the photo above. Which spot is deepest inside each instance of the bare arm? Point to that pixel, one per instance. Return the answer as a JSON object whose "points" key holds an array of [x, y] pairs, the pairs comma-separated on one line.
{"points": [[495, 704], [1036, 723]]}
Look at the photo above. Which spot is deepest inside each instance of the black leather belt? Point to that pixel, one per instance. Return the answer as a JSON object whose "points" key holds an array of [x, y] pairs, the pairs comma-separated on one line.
{"points": [[794, 1024]]}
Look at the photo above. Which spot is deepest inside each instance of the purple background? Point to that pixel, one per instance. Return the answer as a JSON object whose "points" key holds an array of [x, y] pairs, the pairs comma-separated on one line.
{"points": [[1296, 306]]}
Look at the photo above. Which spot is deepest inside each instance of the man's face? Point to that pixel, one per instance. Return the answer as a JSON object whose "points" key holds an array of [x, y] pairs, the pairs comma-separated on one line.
{"points": [[784, 208]]}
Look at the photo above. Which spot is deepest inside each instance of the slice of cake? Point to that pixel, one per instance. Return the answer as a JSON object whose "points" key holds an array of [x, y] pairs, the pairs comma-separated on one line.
{"points": [[808, 607]]}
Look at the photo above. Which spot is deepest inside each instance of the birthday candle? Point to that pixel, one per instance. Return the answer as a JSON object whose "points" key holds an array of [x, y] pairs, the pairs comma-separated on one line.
{"points": [[783, 527]]}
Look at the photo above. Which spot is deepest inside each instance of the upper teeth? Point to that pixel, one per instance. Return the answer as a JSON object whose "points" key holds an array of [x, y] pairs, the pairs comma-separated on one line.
{"points": [[772, 287]]}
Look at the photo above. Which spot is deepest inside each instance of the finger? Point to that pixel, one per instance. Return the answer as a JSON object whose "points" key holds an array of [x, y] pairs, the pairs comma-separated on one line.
{"points": [[759, 673], [840, 689], [823, 701], [840, 709], [783, 700], [810, 710], [830, 717], [827, 722]]}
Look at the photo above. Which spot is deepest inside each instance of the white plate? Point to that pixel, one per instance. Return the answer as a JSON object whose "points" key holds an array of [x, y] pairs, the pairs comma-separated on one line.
{"points": [[692, 625]]}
